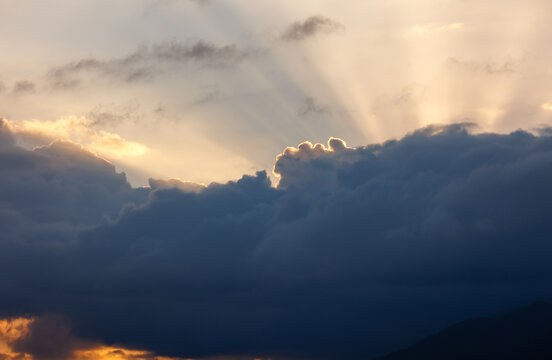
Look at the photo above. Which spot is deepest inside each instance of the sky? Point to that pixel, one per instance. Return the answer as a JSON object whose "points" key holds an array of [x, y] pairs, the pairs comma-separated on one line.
{"points": [[239, 180], [208, 90]]}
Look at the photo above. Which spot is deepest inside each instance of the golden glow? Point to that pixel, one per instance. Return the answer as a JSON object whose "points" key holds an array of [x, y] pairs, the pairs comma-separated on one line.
{"points": [[115, 353], [80, 130], [10, 331], [14, 329], [547, 106]]}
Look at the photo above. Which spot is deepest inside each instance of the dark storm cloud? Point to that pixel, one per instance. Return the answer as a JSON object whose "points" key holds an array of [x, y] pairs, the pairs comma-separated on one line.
{"points": [[357, 252], [147, 62], [310, 27], [56, 186], [544, 131]]}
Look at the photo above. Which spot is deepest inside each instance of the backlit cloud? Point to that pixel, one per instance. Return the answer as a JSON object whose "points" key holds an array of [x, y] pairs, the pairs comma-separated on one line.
{"points": [[79, 130]]}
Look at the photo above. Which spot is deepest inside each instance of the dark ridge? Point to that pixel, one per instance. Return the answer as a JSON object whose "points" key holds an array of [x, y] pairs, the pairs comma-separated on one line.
{"points": [[524, 333]]}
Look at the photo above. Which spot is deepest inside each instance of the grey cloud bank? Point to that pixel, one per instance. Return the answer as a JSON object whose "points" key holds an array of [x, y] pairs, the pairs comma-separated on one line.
{"points": [[357, 252]]}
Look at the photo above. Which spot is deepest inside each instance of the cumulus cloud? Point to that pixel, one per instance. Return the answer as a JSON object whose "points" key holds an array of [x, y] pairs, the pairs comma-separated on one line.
{"points": [[357, 251], [56, 188], [146, 62], [310, 27], [290, 169]]}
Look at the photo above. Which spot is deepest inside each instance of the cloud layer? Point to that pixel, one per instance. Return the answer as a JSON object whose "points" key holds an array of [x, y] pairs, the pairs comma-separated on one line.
{"points": [[358, 251]]}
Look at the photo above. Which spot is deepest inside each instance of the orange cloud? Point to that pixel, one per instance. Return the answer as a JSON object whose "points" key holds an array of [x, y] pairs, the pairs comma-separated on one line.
{"points": [[114, 353], [15, 330], [10, 331]]}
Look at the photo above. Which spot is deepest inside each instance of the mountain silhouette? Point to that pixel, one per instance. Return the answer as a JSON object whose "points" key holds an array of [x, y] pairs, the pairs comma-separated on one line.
{"points": [[524, 333]]}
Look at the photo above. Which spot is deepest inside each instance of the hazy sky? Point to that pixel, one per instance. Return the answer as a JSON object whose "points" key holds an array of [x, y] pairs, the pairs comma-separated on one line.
{"points": [[208, 90]]}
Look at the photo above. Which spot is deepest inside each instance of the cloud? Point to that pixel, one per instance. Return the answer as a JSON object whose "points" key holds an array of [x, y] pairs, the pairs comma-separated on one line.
{"points": [[310, 27], [312, 107], [24, 87], [490, 68], [186, 186], [51, 337], [48, 337], [289, 166], [437, 28], [77, 129], [147, 62], [358, 251], [111, 114], [10, 331], [55, 189]]}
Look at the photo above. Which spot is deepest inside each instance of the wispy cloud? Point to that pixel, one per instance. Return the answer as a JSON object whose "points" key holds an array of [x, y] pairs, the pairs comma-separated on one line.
{"points": [[147, 61], [507, 66], [24, 87], [310, 27], [311, 106]]}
